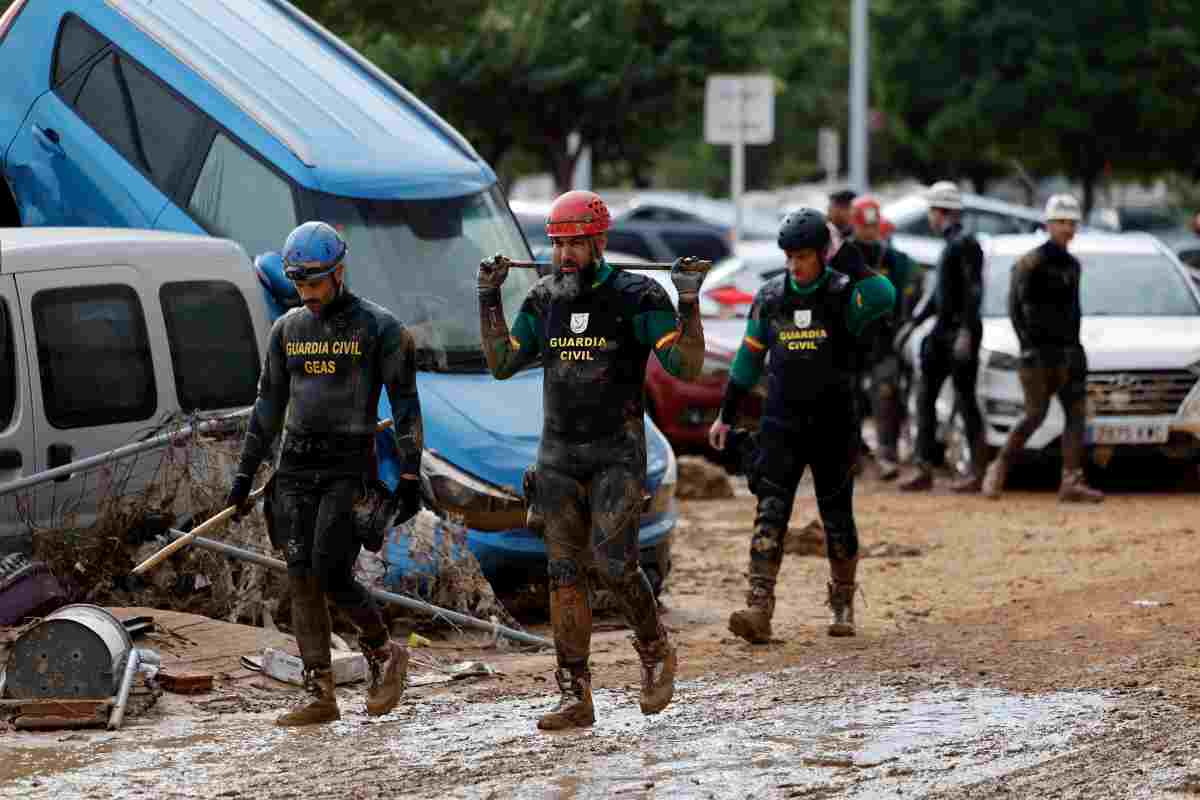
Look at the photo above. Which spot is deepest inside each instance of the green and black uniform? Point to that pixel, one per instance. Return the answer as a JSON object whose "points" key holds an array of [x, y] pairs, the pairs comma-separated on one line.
{"points": [[816, 336], [1043, 304], [883, 363], [591, 465], [326, 373]]}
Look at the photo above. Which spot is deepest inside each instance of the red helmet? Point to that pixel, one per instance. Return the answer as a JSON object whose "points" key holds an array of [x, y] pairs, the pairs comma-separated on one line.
{"points": [[865, 211], [577, 213], [886, 227]]}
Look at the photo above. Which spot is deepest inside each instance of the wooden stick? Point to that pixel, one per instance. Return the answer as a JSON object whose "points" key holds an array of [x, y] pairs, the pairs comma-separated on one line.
{"points": [[212, 522]]}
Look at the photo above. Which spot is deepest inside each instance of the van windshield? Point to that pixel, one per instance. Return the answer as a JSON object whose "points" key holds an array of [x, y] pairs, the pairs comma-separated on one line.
{"points": [[418, 258]]}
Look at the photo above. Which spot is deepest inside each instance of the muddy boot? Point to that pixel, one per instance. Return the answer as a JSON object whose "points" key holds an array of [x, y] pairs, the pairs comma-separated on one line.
{"points": [[389, 676], [658, 672], [841, 602], [968, 484], [574, 709], [993, 479], [919, 481], [1074, 489], [753, 623], [323, 708]]}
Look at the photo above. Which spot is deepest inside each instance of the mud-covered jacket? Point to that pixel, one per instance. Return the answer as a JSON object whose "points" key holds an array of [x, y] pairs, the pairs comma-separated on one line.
{"points": [[1043, 299], [815, 336], [958, 299], [331, 369], [594, 348]]}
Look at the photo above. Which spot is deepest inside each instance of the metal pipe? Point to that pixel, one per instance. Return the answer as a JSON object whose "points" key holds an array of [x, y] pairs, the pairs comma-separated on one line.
{"points": [[118, 712], [659, 266], [378, 594], [99, 459]]}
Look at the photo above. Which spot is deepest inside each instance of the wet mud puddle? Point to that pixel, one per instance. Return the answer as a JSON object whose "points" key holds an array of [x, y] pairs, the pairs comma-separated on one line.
{"points": [[788, 734]]}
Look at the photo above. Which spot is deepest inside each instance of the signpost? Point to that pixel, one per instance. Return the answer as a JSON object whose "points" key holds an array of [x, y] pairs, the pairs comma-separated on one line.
{"points": [[739, 110]]}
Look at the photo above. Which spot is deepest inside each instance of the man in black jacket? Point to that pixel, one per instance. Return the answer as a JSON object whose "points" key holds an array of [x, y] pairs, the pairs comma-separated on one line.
{"points": [[326, 364], [1043, 303], [952, 348]]}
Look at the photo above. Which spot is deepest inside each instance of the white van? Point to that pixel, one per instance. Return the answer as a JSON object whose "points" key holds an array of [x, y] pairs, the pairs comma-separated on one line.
{"points": [[106, 332]]}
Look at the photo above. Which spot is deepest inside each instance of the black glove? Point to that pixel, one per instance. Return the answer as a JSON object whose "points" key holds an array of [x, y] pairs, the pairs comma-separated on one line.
{"points": [[406, 500], [239, 495], [687, 274], [492, 274]]}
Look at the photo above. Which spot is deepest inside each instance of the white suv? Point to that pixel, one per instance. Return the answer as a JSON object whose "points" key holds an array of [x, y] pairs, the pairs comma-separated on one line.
{"points": [[1141, 331]]}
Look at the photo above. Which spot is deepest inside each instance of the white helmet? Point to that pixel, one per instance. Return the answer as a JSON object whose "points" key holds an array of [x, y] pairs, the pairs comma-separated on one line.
{"points": [[1063, 207], [944, 194]]}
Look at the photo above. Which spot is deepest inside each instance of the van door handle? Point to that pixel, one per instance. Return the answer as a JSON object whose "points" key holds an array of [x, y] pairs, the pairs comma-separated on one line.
{"points": [[11, 459], [49, 137], [57, 455]]}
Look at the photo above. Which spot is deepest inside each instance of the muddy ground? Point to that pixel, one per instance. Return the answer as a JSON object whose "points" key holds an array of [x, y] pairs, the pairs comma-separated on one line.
{"points": [[1017, 648]]}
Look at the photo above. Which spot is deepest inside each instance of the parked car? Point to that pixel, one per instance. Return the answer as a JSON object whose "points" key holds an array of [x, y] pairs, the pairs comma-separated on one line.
{"points": [[667, 241], [1151, 219], [104, 332], [731, 284], [241, 125], [1141, 330], [981, 215], [676, 207]]}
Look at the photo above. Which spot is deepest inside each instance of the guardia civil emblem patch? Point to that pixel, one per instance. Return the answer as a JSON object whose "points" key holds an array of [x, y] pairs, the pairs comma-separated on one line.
{"points": [[579, 323], [803, 317]]}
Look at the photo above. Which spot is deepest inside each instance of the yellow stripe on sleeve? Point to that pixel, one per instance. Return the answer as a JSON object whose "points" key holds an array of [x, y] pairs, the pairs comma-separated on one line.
{"points": [[754, 344], [667, 340]]}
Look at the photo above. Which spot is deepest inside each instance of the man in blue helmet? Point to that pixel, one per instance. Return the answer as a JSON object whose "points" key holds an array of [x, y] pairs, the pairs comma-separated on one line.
{"points": [[816, 322], [327, 361]]}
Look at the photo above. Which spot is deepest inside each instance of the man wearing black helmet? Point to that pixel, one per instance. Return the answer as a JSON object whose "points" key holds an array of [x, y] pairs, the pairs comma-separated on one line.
{"points": [[813, 321], [326, 365]]}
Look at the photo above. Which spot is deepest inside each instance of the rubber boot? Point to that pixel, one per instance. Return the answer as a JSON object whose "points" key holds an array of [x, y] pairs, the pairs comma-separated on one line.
{"points": [[1074, 489], [841, 596], [323, 708], [389, 676], [994, 478], [753, 623], [574, 709], [920, 481], [973, 482], [658, 672]]}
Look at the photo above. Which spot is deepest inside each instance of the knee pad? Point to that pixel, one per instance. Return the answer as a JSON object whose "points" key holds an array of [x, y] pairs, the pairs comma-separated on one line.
{"points": [[841, 535]]}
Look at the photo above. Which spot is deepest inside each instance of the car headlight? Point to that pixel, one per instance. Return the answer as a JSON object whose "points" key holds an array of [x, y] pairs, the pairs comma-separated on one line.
{"points": [[998, 360], [477, 503]]}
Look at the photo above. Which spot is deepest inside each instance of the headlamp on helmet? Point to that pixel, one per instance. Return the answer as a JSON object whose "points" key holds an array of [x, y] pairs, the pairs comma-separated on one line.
{"points": [[312, 251]]}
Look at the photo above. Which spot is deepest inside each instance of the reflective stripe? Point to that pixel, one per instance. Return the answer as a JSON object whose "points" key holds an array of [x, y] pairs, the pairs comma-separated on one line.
{"points": [[667, 339], [514, 342], [754, 344]]}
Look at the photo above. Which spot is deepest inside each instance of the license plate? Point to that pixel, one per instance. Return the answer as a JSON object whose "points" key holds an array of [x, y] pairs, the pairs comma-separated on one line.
{"points": [[1128, 433]]}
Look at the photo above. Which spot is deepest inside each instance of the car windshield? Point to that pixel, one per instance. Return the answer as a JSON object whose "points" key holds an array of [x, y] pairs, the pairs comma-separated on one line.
{"points": [[909, 214], [418, 258], [1112, 284]]}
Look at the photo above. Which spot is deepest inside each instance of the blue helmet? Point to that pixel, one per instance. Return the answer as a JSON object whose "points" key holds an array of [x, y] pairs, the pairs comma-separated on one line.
{"points": [[313, 250]]}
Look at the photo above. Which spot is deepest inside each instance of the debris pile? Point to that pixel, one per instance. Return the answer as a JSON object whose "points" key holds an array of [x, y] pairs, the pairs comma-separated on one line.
{"points": [[700, 479]]}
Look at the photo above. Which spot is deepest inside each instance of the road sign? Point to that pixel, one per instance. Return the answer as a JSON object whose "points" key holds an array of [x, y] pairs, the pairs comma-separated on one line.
{"points": [[829, 149], [739, 101]]}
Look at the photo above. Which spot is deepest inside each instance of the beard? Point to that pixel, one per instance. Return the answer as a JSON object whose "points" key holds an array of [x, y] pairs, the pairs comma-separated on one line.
{"points": [[569, 286]]}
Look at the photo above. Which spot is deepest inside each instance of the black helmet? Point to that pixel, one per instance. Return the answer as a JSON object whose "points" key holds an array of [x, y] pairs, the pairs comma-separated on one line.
{"points": [[804, 229]]}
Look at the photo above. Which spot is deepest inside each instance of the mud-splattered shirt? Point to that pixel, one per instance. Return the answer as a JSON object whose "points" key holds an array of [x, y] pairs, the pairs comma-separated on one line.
{"points": [[331, 369], [1043, 301]]}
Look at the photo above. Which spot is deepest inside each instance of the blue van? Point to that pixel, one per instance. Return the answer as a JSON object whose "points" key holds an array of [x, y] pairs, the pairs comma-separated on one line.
{"points": [[243, 118]]}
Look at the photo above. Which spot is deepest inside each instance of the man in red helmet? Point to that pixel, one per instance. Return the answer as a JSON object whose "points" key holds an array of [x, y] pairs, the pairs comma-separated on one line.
{"points": [[593, 327], [881, 362]]}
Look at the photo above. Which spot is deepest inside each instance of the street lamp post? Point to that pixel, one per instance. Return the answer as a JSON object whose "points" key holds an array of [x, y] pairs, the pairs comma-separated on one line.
{"points": [[859, 58]]}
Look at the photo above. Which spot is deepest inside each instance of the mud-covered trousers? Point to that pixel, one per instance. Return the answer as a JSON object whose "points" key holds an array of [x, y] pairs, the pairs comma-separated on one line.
{"points": [[314, 523], [1043, 375], [887, 405], [827, 442], [590, 496], [937, 364]]}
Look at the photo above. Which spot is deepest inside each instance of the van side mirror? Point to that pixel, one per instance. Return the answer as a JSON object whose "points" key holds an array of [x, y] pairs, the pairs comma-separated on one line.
{"points": [[280, 292]]}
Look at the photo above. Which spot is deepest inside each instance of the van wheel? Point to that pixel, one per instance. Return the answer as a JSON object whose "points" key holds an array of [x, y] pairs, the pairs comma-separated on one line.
{"points": [[9, 217]]}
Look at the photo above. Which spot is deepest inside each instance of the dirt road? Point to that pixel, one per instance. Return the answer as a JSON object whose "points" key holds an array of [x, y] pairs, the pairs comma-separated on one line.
{"points": [[1006, 649]]}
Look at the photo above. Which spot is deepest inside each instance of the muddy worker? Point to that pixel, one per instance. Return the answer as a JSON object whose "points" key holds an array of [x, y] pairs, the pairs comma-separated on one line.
{"points": [[1043, 304], [882, 362], [813, 322], [952, 348], [840, 211], [326, 364], [593, 327]]}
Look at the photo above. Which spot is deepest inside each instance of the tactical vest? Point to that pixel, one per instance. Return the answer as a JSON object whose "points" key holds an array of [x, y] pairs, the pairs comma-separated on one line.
{"points": [[812, 356]]}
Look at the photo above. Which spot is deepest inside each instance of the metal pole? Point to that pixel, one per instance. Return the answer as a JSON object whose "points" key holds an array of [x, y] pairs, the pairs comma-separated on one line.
{"points": [[859, 58], [118, 711], [120, 452], [379, 594]]}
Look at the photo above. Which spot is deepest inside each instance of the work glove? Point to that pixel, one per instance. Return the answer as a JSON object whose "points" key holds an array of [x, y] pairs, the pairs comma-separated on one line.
{"points": [[407, 499], [964, 346], [492, 273], [687, 274], [239, 495]]}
